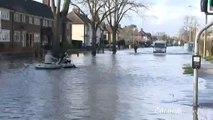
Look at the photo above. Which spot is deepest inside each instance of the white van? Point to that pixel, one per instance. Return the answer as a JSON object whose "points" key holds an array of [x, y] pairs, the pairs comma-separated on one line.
{"points": [[159, 47]]}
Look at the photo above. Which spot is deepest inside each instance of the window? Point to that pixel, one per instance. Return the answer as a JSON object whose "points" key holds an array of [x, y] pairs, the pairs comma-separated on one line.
{"points": [[30, 20], [36, 21], [17, 17], [45, 23], [17, 36], [5, 35], [36, 37], [23, 18], [5, 14]]}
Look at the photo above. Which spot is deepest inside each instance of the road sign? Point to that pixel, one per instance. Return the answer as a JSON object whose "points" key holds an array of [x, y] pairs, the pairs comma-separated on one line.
{"points": [[210, 6], [207, 6], [196, 61]]}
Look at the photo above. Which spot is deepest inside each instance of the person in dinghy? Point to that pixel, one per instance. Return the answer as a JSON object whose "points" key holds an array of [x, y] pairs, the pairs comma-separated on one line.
{"points": [[49, 58], [65, 59]]}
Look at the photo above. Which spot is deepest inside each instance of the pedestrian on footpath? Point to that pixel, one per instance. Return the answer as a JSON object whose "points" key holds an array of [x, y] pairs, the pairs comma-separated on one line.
{"points": [[135, 47]]}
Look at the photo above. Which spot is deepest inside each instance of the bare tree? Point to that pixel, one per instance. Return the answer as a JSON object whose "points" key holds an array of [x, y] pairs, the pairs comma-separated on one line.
{"points": [[60, 15], [190, 26], [121, 9], [97, 14], [183, 34], [128, 30]]}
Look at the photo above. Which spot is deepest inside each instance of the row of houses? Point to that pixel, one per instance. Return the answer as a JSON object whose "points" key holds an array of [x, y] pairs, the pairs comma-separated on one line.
{"points": [[28, 25], [22, 25]]}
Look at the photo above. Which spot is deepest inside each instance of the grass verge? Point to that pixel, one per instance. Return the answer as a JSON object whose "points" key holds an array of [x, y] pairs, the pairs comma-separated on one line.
{"points": [[209, 58], [187, 69]]}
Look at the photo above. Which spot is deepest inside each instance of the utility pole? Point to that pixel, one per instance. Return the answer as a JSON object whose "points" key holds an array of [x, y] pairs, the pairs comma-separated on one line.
{"points": [[204, 42], [196, 68], [190, 27]]}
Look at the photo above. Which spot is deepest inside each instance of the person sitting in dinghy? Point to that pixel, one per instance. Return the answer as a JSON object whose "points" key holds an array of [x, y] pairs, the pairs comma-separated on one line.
{"points": [[65, 59], [49, 59]]}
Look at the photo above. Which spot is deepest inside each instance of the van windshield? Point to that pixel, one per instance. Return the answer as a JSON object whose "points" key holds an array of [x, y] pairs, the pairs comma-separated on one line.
{"points": [[159, 45]]}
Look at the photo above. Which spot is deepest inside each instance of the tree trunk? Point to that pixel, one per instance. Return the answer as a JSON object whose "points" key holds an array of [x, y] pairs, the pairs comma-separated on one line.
{"points": [[102, 41], [94, 42], [56, 37], [114, 41], [64, 37]]}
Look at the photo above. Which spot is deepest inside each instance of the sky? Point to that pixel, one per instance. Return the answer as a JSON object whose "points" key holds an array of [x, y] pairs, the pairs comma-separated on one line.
{"points": [[165, 15]]}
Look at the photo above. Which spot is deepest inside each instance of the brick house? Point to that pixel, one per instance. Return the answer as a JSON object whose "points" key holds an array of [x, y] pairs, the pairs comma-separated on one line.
{"points": [[24, 27]]}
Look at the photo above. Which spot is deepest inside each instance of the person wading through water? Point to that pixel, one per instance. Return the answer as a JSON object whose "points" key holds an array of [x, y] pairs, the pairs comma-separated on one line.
{"points": [[136, 46]]}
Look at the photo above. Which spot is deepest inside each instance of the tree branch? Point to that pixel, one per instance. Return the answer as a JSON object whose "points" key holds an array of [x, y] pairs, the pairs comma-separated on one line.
{"points": [[53, 6], [65, 7], [58, 7]]}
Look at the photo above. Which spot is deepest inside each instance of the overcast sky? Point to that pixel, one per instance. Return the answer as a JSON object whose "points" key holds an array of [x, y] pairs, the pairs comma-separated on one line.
{"points": [[165, 15]]}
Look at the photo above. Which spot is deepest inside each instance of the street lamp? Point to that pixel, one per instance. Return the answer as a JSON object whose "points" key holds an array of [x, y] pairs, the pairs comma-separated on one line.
{"points": [[192, 27], [205, 37], [133, 29], [192, 22]]}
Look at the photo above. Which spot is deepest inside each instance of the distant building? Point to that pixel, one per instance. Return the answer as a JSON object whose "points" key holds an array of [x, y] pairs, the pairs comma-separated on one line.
{"points": [[108, 32], [81, 29], [139, 35], [25, 25]]}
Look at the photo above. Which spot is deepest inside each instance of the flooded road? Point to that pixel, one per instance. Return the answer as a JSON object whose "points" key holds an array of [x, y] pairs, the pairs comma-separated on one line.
{"points": [[125, 86]]}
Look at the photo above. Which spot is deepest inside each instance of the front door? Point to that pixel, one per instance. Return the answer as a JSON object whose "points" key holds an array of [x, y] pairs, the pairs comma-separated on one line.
{"points": [[29, 40], [23, 38]]}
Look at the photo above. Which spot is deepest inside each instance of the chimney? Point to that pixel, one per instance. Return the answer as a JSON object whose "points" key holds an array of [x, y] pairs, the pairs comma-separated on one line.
{"points": [[46, 2]]}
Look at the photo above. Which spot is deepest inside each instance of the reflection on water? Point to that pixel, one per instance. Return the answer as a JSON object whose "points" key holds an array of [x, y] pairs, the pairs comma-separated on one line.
{"points": [[105, 87]]}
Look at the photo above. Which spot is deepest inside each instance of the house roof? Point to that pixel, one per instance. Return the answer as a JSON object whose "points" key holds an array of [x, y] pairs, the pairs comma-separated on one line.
{"points": [[78, 18], [28, 7], [68, 20], [143, 33]]}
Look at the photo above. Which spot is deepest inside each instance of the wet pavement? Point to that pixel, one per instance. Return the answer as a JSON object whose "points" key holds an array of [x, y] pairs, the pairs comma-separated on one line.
{"points": [[126, 86]]}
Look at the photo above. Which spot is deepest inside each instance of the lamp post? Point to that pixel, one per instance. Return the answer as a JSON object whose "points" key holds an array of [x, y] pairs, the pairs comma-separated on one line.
{"points": [[133, 29], [193, 25], [205, 35]]}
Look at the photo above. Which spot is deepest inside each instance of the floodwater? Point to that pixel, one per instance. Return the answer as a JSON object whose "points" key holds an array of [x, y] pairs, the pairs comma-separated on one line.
{"points": [[125, 86]]}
